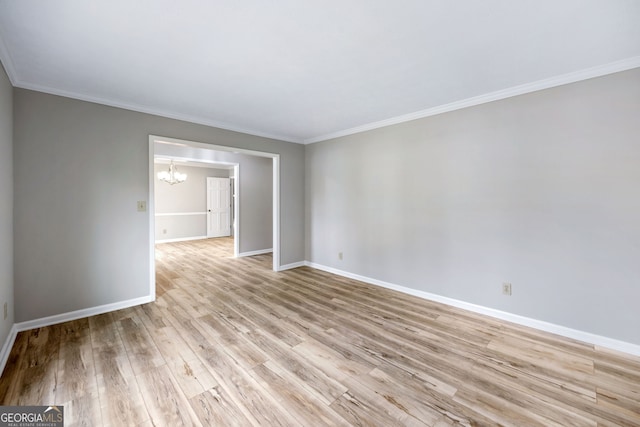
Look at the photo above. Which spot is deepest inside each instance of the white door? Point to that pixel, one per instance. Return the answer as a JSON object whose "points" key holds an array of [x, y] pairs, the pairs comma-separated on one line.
{"points": [[218, 207]]}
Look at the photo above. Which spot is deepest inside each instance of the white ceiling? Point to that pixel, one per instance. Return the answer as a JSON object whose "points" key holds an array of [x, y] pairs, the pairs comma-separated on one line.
{"points": [[304, 71]]}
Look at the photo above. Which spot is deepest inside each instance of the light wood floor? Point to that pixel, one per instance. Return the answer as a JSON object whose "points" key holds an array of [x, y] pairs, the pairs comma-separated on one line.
{"points": [[229, 342]]}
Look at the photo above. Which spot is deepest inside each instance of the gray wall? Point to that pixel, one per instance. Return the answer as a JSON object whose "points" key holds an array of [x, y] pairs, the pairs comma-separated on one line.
{"points": [[189, 196], [256, 203], [6, 204], [540, 190], [79, 170]]}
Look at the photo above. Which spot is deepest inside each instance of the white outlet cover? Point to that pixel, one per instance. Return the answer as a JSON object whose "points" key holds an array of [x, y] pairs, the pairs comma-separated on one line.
{"points": [[506, 288]]}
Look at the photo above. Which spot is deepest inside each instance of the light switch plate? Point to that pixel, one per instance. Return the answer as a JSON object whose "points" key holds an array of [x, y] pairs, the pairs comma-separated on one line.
{"points": [[142, 206]]}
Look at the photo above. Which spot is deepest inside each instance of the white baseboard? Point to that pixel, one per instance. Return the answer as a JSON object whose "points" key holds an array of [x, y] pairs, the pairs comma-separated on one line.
{"points": [[79, 314], [252, 253], [64, 317], [292, 265], [521, 320], [181, 239], [8, 345], [587, 337], [179, 213]]}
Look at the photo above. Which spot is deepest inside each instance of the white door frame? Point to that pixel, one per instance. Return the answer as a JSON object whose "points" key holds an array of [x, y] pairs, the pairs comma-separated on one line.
{"points": [[151, 205]]}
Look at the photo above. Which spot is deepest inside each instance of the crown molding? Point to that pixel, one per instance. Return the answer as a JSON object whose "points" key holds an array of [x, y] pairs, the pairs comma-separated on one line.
{"points": [[573, 77], [576, 76], [5, 58], [152, 111]]}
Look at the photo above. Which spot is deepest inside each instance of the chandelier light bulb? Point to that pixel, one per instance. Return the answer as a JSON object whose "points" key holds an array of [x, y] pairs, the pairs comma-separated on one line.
{"points": [[172, 176]]}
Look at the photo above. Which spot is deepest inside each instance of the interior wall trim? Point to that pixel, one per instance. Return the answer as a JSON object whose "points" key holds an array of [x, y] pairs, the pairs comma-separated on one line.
{"points": [[258, 252], [7, 62], [292, 265], [181, 239], [587, 337], [576, 76], [79, 314], [180, 213], [64, 317], [7, 346], [139, 108]]}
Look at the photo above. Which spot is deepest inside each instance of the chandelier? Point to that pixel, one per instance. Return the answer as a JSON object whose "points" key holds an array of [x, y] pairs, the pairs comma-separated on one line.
{"points": [[172, 176]]}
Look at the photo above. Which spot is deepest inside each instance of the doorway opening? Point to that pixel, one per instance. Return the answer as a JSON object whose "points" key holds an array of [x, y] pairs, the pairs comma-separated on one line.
{"points": [[194, 208], [191, 151]]}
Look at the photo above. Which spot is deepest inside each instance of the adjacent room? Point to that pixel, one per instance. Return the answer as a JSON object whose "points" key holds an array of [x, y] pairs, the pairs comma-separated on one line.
{"points": [[183, 212], [418, 213]]}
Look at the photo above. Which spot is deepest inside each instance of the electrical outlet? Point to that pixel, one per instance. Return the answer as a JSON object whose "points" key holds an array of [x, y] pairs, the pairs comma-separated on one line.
{"points": [[340, 256], [506, 288], [6, 310]]}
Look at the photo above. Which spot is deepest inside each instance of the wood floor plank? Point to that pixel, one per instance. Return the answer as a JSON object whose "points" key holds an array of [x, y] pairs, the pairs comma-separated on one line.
{"points": [[109, 353], [501, 411], [330, 361], [188, 371], [376, 389], [142, 350], [76, 367], [39, 385], [328, 387], [301, 400], [83, 411], [548, 357], [121, 402], [213, 408], [527, 396], [363, 409], [11, 380], [228, 341], [401, 396], [434, 393], [39, 365], [579, 402], [172, 311], [331, 338], [165, 402], [192, 376], [257, 315], [236, 342], [621, 409], [151, 316], [244, 390], [171, 345]]}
